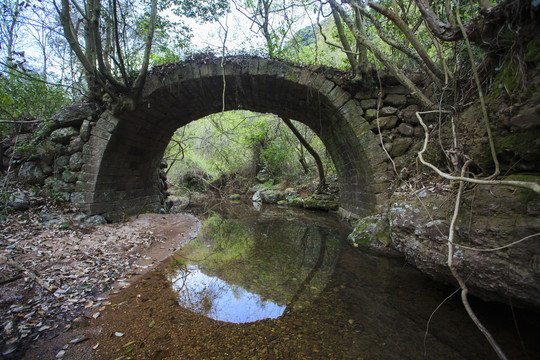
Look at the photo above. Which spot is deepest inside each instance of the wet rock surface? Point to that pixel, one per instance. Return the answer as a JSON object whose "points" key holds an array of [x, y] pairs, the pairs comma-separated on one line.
{"points": [[491, 217]]}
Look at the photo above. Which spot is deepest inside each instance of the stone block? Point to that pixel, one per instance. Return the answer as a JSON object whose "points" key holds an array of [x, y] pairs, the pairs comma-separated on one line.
{"points": [[527, 118], [107, 123], [320, 83], [31, 173], [86, 181], [400, 146], [292, 74], [100, 133], [263, 67], [61, 162], [74, 115], [409, 114], [69, 176], [395, 100], [64, 135], [359, 125], [60, 150], [338, 97], [370, 114], [46, 151], [75, 145], [405, 129], [91, 167], [369, 104], [381, 167], [388, 110], [419, 132], [384, 123], [76, 161], [253, 68], [81, 198], [352, 110], [191, 71]]}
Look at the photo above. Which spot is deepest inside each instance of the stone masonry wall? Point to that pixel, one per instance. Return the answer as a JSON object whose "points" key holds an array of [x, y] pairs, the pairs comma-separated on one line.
{"points": [[104, 162]]}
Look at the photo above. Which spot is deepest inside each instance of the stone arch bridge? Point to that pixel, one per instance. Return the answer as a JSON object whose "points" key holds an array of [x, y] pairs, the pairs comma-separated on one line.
{"points": [[123, 150]]}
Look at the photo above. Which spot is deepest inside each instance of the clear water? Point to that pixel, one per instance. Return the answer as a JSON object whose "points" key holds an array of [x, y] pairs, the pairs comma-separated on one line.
{"points": [[219, 300], [296, 266], [256, 264]]}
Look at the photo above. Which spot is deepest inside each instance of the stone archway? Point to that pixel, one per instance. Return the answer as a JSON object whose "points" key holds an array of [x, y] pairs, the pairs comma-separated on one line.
{"points": [[122, 156]]}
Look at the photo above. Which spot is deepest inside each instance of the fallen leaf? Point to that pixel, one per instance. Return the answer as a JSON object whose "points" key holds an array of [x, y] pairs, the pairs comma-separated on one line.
{"points": [[79, 339]]}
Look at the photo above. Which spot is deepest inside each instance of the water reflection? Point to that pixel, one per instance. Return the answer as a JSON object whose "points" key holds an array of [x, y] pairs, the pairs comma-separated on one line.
{"points": [[338, 302], [212, 297], [255, 265]]}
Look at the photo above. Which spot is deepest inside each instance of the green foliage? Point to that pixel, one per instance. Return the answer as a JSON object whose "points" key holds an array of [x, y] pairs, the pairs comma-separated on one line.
{"points": [[237, 145], [203, 10], [171, 39], [274, 156], [25, 97], [307, 46]]}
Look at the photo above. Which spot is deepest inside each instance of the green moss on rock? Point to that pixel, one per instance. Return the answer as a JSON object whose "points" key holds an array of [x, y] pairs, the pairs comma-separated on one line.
{"points": [[369, 230], [317, 202]]}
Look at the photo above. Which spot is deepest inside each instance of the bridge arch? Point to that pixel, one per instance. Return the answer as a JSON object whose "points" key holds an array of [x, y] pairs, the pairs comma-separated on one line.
{"points": [[123, 154]]}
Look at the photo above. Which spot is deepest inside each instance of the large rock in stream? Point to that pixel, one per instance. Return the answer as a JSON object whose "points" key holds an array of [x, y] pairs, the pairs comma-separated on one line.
{"points": [[490, 217]]}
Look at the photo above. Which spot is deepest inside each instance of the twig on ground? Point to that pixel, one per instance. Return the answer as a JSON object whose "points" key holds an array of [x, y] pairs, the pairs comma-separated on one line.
{"points": [[29, 272], [12, 279]]}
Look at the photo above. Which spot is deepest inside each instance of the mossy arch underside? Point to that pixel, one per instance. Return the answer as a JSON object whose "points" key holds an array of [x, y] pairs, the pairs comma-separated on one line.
{"points": [[122, 157]]}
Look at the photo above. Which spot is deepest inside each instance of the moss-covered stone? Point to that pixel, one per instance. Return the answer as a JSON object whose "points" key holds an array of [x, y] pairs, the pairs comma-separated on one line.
{"points": [[318, 202], [271, 196], [400, 146], [370, 230], [296, 202], [523, 144], [69, 176], [370, 114]]}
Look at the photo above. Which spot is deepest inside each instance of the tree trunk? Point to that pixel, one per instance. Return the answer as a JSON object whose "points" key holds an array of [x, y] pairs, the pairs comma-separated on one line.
{"points": [[351, 56], [415, 42], [393, 68], [141, 78], [303, 141]]}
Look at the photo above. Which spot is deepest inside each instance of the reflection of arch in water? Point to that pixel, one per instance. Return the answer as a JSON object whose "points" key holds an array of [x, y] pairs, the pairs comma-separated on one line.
{"points": [[285, 269], [310, 276], [122, 157]]}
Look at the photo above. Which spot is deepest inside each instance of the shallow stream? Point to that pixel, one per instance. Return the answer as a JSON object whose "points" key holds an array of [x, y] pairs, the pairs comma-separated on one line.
{"points": [[295, 267], [283, 283]]}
